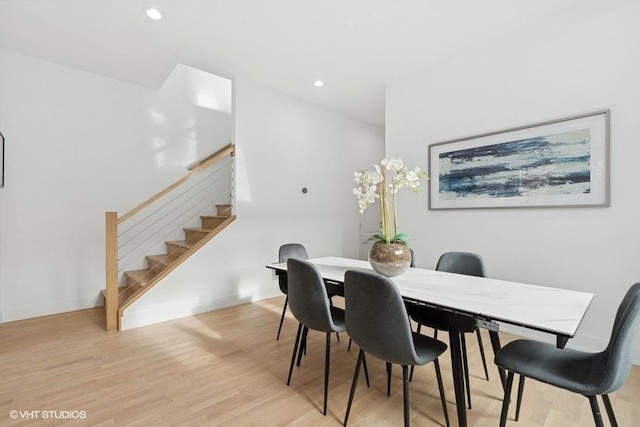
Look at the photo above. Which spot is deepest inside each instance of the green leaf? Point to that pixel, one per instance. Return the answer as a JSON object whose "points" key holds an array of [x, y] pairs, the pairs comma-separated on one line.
{"points": [[399, 238], [378, 238]]}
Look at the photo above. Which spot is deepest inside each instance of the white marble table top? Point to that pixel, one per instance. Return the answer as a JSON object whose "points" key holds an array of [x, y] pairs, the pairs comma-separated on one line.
{"points": [[553, 310]]}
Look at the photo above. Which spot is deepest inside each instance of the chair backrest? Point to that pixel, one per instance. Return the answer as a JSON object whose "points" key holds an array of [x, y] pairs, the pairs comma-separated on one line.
{"points": [[308, 300], [289, 250], [376, 318], [292, 250], [462, 263], [619, 353]]}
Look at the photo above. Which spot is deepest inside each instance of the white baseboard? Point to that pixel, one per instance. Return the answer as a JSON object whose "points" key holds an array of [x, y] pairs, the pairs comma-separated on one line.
{"points": [[12, 314], [134, 318]]}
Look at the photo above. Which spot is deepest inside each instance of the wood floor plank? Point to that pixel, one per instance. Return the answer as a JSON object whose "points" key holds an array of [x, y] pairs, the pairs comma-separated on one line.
{"points": [[225, 368]]}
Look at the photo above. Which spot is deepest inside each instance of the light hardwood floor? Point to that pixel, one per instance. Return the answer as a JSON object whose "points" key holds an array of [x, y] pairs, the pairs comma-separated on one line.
{"points": [[226, 368]]}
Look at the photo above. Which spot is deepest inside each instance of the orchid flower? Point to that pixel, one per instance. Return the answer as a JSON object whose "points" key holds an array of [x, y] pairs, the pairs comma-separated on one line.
{"points": [[373, 184]]}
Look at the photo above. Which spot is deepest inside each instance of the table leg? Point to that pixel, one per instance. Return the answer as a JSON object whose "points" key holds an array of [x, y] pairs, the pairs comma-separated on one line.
{"points": [[458, 376], [495, 344], [561, 341]]}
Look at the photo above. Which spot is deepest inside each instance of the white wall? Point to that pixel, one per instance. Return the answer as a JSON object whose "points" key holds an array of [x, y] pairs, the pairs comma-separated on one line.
{"points": [[583, 61], [283, 145], [79, 144]]}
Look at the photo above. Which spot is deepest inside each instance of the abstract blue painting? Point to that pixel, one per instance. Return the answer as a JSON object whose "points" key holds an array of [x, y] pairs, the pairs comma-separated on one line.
{"points": [[551, 164], [561, 163]]}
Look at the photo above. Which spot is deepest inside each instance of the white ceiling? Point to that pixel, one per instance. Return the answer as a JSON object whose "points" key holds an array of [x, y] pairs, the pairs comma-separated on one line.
{"points": [[354, 46]]}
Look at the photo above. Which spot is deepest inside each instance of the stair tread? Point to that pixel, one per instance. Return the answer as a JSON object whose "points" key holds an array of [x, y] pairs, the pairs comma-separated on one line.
{"points": [[138, 274], [161, 261], [182, 243], [215, 216], [199, 229], [163, 258]]}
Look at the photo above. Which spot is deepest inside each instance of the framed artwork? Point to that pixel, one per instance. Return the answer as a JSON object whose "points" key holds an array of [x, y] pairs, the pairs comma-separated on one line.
{"points": [[558, 163]]}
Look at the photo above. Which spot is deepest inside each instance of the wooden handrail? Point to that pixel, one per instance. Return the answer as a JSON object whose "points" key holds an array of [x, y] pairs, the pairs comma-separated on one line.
{"points": [[228, 150], [210, 158]]}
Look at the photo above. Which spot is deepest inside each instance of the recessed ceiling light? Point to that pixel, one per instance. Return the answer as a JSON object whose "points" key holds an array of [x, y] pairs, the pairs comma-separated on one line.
{"points": [[153, 13], [318, 83]]}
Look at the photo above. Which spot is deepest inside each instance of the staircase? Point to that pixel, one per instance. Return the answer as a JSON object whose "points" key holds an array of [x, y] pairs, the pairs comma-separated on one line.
{"points": [[137, 282], [164, 215]]}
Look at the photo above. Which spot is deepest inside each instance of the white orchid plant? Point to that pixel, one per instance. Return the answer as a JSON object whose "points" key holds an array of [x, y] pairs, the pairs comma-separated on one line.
{"points": [[374, 184]]}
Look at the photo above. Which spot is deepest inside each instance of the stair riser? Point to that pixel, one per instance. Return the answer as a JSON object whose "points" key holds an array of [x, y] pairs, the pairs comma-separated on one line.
{"points": [[133, 284], [155, 266], [193, 236], [126, 294], [210, 222], [175, 250], [223, 210]]}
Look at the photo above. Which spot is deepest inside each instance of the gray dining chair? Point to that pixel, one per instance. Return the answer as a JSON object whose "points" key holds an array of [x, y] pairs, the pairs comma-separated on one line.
{"points": [[589, 374], [389, 367], [469, 264], [309, 303], [289, 250], [386, 335]]}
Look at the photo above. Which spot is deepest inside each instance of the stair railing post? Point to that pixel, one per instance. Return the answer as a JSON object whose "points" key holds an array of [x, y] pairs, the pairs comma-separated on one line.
{"points": [[111, 298]]}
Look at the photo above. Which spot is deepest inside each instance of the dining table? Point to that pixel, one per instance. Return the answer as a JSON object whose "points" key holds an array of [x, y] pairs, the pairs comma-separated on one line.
{"points": [[468, 302]]}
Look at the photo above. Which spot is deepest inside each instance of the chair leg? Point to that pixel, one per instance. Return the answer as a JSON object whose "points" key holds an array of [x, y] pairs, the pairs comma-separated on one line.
{"points": [[610, 413], [484, 360], [295, 350], [366, 371], [331, 304], [418, 329], [326, 371], [597, 416], [284, 309], [465, 362], [507, 398], [388, 379], [303, 344], [520, 392], [354, 384], [405, 394], [441, 388]]}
